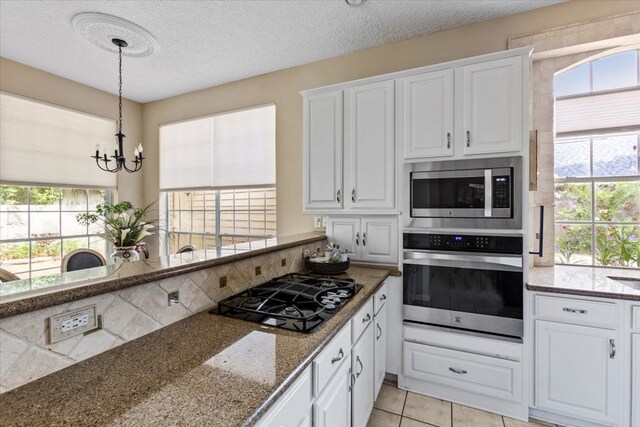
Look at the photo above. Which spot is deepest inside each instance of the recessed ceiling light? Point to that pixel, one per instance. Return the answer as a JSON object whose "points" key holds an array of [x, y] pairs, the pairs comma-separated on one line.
{"points": [[354, 2]]}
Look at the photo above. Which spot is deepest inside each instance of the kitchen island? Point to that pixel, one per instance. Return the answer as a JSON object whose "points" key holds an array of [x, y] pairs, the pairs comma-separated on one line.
{"points": [[204, 370]]}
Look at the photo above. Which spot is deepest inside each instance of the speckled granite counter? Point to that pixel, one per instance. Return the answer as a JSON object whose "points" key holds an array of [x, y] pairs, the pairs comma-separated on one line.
{"points": [[204, 370], [587, 281], [22, 296]]}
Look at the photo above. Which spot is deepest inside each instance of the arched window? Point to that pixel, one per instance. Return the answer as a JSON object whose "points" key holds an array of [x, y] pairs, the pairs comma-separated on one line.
{"points": [[596, 162]]}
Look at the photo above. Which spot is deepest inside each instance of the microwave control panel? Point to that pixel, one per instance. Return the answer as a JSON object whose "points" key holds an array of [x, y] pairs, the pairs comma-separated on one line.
{"points": [[463, 242], [501, 192]]}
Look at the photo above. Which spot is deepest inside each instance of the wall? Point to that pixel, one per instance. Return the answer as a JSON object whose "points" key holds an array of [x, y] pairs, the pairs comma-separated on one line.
{"points": [[128, 314], [282, 88], [30, 82]]}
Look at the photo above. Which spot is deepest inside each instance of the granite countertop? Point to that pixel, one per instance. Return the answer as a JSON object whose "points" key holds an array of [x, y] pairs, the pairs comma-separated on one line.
{"points": [[204, 370], [587, 281], [22, 296]]}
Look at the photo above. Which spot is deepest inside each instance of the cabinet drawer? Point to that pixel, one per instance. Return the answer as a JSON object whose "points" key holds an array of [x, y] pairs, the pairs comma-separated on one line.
{"points": [[379, 298], [635, 317], [474, 373], [293, 407], [579, 311], [361, 320], [328, 362]]}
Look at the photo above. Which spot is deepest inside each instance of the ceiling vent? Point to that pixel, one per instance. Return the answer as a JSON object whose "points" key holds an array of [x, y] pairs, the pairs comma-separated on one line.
{"points": [[100, 29]]}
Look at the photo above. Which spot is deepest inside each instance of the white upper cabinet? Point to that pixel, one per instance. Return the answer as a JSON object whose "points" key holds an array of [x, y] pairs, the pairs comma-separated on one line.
{"points": [[492, 106], [427, 123], [369, 155], [345, 232], [379, 239], [323, 151]]}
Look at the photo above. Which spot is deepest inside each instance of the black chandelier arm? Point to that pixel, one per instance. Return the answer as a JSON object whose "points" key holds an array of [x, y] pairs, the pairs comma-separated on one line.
{"points": [[137, 162], [106, 167]]}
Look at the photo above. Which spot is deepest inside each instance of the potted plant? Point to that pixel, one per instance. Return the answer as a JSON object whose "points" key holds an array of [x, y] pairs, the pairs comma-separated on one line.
{"points": [[125, 227]]}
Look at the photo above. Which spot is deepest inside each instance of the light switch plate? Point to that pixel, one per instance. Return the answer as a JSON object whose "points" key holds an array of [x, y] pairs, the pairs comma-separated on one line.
{"points": [[72, 323]]}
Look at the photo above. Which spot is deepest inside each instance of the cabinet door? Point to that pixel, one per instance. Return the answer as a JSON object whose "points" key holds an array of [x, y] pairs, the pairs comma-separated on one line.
{"points": [[322, 151], [292, 409], [492, 106], [380, 239], [635, 380], [333, 407], [380, 355], [428, 115], [576, 371], [345, 231], [369, 150], [363, 369]]}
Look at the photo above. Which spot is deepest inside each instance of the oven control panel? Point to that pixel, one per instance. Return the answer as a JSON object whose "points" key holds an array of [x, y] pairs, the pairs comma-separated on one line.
{"points": [[463, 242]]}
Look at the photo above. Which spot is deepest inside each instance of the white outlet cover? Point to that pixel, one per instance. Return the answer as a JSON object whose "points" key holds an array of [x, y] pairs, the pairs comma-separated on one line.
{"points": [[72, 323]]}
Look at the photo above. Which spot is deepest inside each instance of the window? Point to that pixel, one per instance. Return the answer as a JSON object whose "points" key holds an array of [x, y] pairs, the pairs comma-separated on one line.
{"points": [[596, 163], [220, 219], [38, 227], [218, 176]]}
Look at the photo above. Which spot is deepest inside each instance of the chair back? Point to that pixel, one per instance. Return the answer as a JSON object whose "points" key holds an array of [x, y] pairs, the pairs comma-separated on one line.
{"points": [[7, 276], [80, 259], [186, 248]]}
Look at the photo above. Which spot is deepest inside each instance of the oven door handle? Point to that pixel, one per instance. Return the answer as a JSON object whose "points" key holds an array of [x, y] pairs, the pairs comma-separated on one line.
{"points": [[478, 262]]}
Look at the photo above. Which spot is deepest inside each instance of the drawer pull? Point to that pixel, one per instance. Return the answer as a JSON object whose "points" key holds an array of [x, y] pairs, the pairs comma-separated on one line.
{"points": [[612, 353], [361, 367], [574, 310], [458, 371], [383, 297], [379, 329], [338, 357], [366, 319]]}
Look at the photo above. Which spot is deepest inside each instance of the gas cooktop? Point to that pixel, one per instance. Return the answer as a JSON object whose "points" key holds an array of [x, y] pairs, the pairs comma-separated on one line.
{"points": [[299, 302]]}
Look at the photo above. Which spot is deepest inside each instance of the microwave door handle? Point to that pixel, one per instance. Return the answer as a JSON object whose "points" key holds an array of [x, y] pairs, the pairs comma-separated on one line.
{"points": [[488, 192]]}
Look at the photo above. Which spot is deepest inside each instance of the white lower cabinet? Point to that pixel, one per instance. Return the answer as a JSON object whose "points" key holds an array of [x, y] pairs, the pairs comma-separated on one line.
{"points": [[380, 350], [577, 371], [333, 407], [293, 408], [635, 379], [362, 366]]}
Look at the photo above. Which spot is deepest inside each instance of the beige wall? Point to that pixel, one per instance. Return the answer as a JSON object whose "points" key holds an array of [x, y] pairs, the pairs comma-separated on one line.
{"points": [[282, 88], [30, 82]]}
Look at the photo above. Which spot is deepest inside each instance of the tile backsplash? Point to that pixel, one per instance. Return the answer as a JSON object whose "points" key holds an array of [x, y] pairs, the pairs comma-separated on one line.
{"points": [[26, 355]]}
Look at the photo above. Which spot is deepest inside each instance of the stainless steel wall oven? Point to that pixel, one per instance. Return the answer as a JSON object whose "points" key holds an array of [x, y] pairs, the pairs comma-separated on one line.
{"points": [[467, 282], [479, 193]]}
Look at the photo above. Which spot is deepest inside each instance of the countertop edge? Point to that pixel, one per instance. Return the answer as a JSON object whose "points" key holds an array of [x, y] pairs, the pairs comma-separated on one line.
{"points": [[56, 297], [581, 292], [268, 403]]}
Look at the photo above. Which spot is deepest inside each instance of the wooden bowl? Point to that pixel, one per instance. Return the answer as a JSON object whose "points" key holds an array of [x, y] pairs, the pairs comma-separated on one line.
{"points": [[326, 267]]}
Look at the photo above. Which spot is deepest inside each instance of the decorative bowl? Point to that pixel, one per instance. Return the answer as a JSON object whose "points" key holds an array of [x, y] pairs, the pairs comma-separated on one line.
{"points": [[321, 266]]}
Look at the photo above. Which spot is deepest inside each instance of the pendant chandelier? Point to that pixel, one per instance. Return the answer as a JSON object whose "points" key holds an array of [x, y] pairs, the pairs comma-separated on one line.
{"points": [[102, 160]]}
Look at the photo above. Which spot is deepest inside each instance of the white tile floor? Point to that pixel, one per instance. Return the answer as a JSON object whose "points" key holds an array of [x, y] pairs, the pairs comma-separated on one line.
{"points": [[398, 408]]}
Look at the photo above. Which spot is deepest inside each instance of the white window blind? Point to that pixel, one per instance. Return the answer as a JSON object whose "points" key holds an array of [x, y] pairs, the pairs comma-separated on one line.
{"points": [[45, 144], [228, 150], [612, 112]]}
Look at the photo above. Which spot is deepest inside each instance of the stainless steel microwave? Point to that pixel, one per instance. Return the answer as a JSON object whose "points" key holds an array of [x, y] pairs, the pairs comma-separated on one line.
{"points": [[481, 193]]}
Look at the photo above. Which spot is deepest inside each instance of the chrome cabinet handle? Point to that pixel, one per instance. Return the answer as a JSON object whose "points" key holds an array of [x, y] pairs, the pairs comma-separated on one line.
{"points": [[353, 195], [458, 371], [383, 297], [379, 329], [468, 138], [364, 239], [338, 357], [612, 353], [338, 196], [361, 367], [352, 381], [574, 310], [366, 319], [357, 239], [448, 139]]}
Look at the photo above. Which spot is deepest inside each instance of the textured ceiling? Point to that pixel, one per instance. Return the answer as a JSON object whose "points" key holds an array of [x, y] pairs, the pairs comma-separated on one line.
{"points": [[207, 43]]}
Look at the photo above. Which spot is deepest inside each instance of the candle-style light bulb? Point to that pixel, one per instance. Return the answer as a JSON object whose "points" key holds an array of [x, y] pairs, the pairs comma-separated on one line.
{"points": [[140, 148], [135, 153]]}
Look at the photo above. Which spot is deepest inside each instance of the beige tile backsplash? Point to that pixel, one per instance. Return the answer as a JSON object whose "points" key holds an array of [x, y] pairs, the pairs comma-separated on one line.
{"points": [[25, 354]]}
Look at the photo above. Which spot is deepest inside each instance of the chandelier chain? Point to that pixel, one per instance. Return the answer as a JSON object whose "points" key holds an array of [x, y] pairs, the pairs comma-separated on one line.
{"points": [[120, 88]]}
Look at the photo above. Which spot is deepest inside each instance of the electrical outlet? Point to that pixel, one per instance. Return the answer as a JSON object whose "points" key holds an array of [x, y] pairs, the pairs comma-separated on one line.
{"points": [[67, 325], [324, 222], [258, 270], [173, 298], [317, 221], [223, 282], [283, 262], [305, 253]]}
